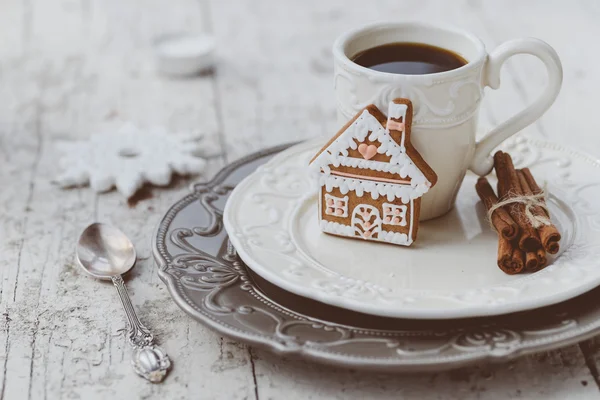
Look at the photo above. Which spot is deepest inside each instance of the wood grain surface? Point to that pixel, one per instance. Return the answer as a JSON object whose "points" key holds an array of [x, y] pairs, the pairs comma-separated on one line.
{"points": [[69, 68]]}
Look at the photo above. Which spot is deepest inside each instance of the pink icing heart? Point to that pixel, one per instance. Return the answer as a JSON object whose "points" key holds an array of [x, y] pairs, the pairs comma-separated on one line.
{"points": [[367, 151], [367, 234]]}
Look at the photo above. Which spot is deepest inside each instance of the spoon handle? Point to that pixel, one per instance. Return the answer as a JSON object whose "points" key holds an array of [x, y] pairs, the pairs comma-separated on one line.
{"points": [[149, 360]]}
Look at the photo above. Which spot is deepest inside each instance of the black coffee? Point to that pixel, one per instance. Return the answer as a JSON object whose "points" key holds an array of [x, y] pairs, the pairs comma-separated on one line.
{"points": [[409, 59]]}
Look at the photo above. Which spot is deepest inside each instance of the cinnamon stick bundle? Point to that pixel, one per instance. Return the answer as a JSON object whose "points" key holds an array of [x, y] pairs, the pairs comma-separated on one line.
{"points": [[548, 234], [525, 232], [511, 259], [501, 219], [509, 186]]}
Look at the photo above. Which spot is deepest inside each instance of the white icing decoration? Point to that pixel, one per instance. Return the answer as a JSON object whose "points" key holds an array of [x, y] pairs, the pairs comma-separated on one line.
{"points": [[395, 237], [335, 206], [336, 154], [397, 110], [395, 211], [404, 192], [336, 228], [364, 225], [375, 165], [359, 130]]}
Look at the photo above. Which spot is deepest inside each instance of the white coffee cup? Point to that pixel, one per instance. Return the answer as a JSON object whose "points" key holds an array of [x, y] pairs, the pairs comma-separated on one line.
{"points": [[446, 104]]}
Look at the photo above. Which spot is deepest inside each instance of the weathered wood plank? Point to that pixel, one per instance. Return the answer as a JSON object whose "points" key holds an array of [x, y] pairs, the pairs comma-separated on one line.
{"points": [[591, 354], [76, 67], [552, 375], [62, 332]]}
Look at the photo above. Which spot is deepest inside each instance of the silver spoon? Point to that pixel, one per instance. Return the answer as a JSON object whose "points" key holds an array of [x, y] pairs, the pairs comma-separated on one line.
{"points": [[105, 252]]}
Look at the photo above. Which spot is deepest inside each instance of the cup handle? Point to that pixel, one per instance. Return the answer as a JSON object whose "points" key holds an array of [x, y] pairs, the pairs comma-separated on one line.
{"points": [[482, 162]]}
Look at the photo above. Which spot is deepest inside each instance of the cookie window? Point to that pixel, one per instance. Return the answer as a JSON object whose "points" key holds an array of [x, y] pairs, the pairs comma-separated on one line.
{"points": [[394, 215], [337, 206]]}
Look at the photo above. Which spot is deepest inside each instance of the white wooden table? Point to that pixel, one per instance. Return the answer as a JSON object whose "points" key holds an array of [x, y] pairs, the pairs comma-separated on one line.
{"points": [[72, 67]]}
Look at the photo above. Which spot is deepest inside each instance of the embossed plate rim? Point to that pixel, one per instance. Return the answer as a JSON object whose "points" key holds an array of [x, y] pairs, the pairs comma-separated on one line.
{"points": [[460, 304], [573, 328]]}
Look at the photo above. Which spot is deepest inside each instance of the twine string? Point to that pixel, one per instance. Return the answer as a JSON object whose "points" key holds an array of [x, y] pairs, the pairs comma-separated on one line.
{"points": [[530, 202]]}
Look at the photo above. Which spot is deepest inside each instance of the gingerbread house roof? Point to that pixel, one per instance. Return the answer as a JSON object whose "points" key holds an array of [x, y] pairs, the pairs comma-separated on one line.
{"points": [[411, 175]]}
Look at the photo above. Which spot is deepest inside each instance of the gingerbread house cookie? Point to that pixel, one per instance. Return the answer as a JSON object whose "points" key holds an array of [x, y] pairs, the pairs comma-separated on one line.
{"points": [[371, 178]]}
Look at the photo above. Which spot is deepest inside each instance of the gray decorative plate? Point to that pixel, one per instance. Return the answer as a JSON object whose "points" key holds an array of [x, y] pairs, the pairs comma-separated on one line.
{"points": [[209, 282]]}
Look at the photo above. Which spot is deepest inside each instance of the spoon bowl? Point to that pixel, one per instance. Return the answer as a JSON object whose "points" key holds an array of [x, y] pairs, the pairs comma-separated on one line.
{"points": [[103, 251]]}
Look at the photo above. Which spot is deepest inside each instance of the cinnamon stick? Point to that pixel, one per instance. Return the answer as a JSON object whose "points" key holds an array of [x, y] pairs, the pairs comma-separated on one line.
{"points": [[518, 257], [509, 186], [542, 260], [501, 174], [501, 219], [531, 261], [510, 257], [549, 235], [535, 260]]}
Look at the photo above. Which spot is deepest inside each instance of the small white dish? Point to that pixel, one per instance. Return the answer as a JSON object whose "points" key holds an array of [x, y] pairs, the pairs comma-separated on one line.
{"points": [[450, 272], [184, 55]]}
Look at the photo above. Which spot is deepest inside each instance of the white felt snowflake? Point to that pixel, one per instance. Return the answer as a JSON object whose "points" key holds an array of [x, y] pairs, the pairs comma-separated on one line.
{"points": [[128, 157]]}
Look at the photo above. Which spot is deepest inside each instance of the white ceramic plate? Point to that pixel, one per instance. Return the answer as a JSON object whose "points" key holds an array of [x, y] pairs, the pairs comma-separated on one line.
{"points": [[449, 272]]}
